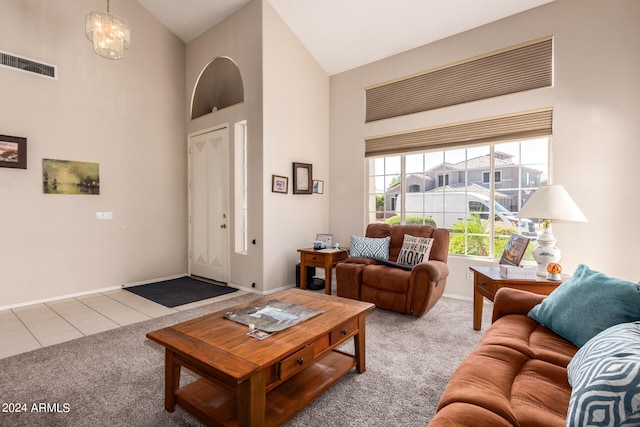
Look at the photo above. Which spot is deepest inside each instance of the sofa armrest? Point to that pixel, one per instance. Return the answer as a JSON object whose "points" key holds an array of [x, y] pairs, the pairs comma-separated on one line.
{"points": [[514, 301], [426, 285], [435, 270]]}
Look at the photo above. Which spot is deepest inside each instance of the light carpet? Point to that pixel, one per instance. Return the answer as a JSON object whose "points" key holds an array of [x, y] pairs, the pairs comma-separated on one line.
{"points": [[116, 378]]}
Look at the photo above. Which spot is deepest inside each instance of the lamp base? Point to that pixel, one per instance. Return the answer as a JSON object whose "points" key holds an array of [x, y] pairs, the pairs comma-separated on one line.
{"points": [[546, 252]]}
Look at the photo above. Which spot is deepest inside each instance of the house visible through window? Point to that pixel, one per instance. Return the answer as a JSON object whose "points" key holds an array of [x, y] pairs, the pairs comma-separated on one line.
{"points": [[497, 176], [453, 189], [443, 180]]}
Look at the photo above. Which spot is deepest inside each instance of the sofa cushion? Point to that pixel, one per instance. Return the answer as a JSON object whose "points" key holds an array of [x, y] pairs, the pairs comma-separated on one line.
{"points": [[605, 375], [415, 250], [588, 303], [504, 375], [367, 247]]}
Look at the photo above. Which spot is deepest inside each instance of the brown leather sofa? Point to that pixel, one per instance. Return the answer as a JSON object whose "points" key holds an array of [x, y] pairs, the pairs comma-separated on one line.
{"points": [[412, 291], [516, 376]]}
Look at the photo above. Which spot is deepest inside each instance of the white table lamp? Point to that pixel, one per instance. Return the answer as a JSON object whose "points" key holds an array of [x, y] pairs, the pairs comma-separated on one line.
{"points": [[550, 203]]}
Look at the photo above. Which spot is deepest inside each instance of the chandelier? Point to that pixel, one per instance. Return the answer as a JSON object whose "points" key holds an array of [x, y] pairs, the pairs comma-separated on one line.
{"points": [[110, 34]]}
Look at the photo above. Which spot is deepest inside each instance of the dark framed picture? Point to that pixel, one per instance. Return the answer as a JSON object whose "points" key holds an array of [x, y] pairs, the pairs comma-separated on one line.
{"points": [[318, 186], [279, 184], [302, 177], [514, 251], [13, 152]]}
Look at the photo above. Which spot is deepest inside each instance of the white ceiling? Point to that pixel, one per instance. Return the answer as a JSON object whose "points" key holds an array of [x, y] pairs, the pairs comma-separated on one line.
{"points": [[345, 34]]}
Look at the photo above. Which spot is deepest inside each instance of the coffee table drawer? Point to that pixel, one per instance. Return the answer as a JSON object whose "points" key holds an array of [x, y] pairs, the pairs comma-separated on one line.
{"points": [[343, 331], [296, 362]]}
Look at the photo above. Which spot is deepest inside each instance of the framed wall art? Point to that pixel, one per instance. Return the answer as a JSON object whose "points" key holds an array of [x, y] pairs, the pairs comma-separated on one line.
{"points": [[70, 177], [302, 177], [13, 152], [318, 186], [279, 184]]}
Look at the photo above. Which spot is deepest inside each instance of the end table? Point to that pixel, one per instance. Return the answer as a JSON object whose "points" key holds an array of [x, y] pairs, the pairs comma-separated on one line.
{"points": [[324, 258], [487, 281]]}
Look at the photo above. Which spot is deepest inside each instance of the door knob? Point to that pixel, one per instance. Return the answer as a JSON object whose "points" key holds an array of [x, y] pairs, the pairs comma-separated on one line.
{"points": [[223, 225]]}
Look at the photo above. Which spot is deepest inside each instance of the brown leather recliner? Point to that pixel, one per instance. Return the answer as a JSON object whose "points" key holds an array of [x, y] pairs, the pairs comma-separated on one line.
{"points": [[413, 292]]}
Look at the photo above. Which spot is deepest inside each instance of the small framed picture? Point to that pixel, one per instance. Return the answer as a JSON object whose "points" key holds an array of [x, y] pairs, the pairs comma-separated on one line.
{"points": [[302, 173], [318, 186], [327, 239], [514, 251], [279, 184], [13, 152]]}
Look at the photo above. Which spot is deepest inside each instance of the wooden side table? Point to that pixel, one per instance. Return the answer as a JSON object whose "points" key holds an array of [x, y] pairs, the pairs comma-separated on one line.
{"points": [[487, 281], [324, 258]]}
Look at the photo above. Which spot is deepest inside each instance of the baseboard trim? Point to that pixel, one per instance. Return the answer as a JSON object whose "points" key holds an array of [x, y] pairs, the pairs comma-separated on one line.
{"points": [[60, 297]]}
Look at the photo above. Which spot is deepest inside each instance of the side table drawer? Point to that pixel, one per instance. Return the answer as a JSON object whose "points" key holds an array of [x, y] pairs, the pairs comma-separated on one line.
{"points": [[296, 362], [313, 260], [487, 289], [343, 331]]}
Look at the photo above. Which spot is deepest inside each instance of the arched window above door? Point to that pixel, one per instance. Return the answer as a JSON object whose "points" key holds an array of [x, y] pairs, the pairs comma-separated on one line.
{"points": [[219, 86]]}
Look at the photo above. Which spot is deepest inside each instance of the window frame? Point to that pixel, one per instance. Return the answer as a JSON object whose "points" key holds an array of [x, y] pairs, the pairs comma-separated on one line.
{"points": [[514, 186]]}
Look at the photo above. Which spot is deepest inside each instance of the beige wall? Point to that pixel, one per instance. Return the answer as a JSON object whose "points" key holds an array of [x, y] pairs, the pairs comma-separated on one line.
{"points": [[296, 129], [595, 146], [126, 115], [238, 37], [287, 111]]}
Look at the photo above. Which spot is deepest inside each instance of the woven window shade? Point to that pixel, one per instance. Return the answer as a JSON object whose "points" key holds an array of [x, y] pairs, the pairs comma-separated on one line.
{"points": [[513, 127], [511, 70]]}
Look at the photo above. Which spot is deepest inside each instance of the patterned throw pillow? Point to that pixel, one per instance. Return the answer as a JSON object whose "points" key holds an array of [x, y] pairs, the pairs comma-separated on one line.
{"points": [[415, 250], [368, 247], [605, 379]]}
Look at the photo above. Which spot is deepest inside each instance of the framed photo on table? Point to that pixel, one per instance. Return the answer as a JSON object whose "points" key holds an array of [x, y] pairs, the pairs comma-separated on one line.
{"points": [[302, 177], [327, 239], [514, 251]]}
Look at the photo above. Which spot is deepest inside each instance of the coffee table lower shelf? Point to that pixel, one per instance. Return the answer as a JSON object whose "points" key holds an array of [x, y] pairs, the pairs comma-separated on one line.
{"points": [[214, 404]]}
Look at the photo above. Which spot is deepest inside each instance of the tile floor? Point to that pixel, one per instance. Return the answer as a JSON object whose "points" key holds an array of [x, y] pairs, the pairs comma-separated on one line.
{"points": [[31, 327]]}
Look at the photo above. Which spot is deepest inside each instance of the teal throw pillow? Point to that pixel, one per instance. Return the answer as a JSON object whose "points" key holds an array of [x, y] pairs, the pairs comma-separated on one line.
{"points": [[369, 247], [588, 303], [605, 379]]}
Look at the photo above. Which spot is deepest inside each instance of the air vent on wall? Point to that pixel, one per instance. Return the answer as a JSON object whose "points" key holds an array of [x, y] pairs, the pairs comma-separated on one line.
{"points": [[24, 64]]}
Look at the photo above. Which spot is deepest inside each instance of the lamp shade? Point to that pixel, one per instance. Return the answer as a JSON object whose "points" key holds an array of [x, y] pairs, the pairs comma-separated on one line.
{"points": [[552, 202]]}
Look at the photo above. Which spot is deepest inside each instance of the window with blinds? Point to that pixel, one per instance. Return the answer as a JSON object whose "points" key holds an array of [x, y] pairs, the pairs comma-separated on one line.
{"points": [[515, 69], [512, 127]]}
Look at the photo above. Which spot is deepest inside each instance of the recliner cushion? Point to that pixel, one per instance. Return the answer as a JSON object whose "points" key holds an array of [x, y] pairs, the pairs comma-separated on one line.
{"points": [[385, 278]]}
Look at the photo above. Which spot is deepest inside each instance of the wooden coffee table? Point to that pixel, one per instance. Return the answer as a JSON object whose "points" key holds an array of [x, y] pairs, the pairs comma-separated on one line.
{"points": [[249, 382]]}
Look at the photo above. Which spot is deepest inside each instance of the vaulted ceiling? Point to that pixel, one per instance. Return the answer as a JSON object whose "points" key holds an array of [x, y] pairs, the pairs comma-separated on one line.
{"points": [[345, 34]]}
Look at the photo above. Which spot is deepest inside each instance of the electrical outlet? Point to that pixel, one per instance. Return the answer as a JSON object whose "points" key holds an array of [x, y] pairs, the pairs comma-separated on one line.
{"points": [[469, 275]]}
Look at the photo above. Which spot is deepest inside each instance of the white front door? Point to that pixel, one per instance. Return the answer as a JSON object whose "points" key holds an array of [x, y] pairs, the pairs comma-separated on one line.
{"points": [[208, 202]]}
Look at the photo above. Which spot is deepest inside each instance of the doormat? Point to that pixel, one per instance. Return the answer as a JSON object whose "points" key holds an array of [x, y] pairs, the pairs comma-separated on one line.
{"points": [[180, 291]]}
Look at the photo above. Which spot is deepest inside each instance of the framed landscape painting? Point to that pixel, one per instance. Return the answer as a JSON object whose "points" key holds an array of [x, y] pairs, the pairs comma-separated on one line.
{"points": [[13, 152], [70, 177]]}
